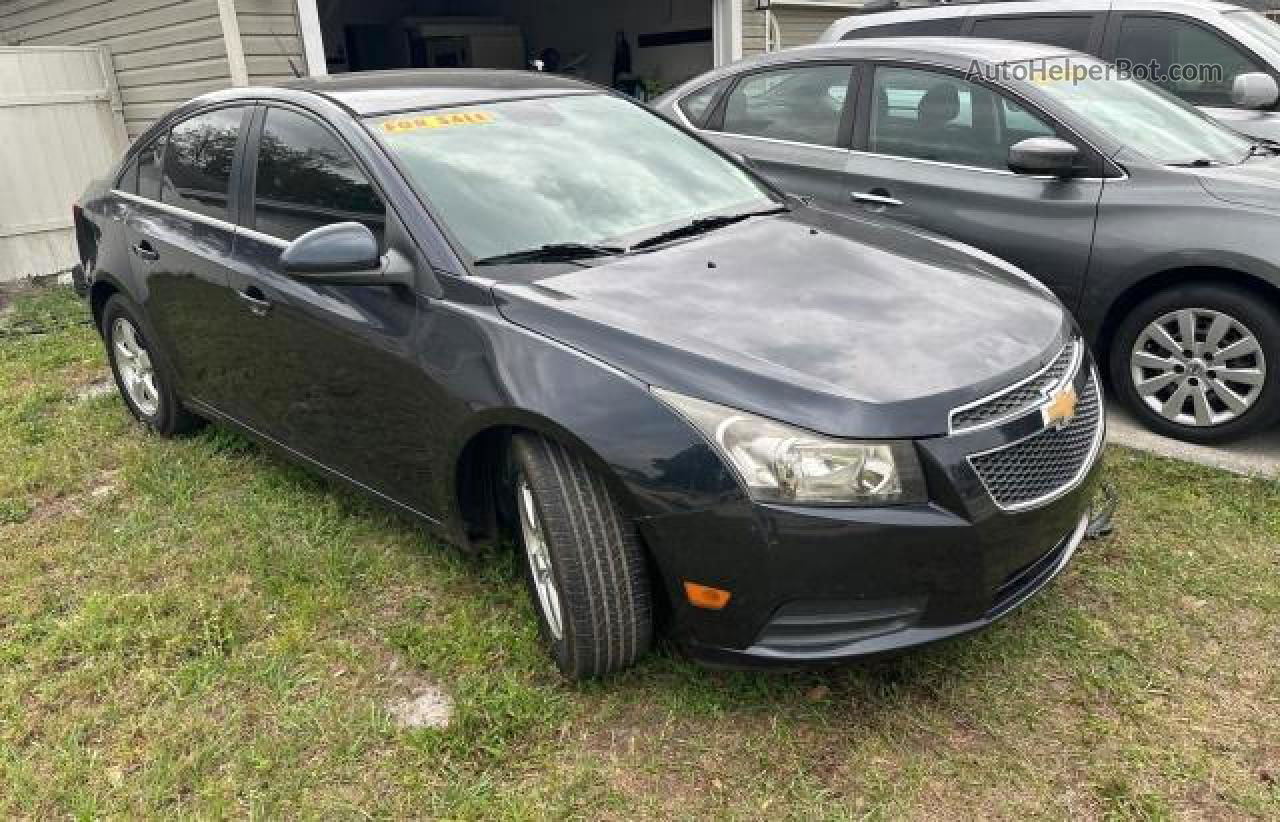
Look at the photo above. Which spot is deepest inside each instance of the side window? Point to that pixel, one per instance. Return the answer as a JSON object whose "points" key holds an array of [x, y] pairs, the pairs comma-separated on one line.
{"points": [[698, 105], [1179, 53], [197, 162], [128, 179], [803, 104], [150, 163], [933, 27], [1066, 31], [925, 115], [306, 179]]}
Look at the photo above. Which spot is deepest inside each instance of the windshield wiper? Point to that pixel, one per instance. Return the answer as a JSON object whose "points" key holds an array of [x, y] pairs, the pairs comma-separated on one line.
{"points": [[1261, 146], [552, 252], [1203, 162], [704, 224]]}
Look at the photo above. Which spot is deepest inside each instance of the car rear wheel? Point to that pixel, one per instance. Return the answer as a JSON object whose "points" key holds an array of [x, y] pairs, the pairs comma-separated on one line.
{"points": [[1200, 363], [144, 384], [582, 561]]}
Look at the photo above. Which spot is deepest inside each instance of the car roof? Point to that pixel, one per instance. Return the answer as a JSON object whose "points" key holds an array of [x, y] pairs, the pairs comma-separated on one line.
{"points": [[979, 9], [948, 50]]}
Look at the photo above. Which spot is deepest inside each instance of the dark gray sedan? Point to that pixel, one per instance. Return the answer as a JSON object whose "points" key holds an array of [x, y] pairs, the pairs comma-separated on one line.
{"points": [[1155, 224]]}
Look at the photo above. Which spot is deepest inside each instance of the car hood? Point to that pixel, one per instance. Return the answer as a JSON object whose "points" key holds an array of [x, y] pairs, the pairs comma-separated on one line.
{"points": [[1255, 183], [846, 326]]}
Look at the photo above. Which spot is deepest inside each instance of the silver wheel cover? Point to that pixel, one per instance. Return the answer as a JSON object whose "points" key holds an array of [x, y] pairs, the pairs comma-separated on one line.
{"points": [[1198, 367], [539, 558], [133, 363]]}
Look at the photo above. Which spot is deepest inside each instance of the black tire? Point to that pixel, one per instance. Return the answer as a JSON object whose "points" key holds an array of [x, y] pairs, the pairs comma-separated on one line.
{"points": [[1251, 309], [606, 620], [169, 418]]}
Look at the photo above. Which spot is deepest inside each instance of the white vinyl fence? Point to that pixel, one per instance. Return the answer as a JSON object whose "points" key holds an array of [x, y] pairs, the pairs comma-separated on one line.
{"points": [[60, 126]]}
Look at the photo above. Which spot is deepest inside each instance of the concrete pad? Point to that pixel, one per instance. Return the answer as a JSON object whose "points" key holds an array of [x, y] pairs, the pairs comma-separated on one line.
{"points": [[1256, 456]]}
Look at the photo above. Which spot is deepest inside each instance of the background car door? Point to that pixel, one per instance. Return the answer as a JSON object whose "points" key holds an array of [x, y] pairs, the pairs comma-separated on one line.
{"points": [[179, 232], [934, 153], [1164, 41], [328, 370], [793, 124]]}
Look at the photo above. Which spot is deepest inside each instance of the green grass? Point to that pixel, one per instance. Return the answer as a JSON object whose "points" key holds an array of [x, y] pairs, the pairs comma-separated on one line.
{"points": [[198, 628]]}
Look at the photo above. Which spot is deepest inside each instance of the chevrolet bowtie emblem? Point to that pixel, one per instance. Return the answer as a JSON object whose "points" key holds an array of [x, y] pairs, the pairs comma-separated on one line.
{"points": [[1061, 408]]}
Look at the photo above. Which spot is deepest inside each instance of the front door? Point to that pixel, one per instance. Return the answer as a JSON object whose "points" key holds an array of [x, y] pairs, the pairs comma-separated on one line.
{"points": [[792, 124], [329, 371], [934, 153]]}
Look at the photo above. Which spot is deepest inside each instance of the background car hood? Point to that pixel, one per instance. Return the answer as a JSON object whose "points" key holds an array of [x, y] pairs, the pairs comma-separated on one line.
{"points": [[1255, 183], [842, 325]]}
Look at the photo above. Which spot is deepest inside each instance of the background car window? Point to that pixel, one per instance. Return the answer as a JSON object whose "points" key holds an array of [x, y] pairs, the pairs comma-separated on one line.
{"points": [[697, 105], [940, 26], [803, 104], [925, 115], [197, 162], [1066, 31], [307, 179], [1167, 41]]}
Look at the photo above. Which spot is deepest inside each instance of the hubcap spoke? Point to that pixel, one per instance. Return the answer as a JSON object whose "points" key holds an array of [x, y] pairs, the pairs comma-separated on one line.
{"points": [[1200, 406], [1242, 347], [1143, 359], [1246, 376], [1232, 400], [1154, 384], [1187, 328]]}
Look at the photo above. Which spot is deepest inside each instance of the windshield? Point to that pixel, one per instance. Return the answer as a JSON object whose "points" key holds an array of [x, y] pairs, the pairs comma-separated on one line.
{"points": [[581, 169], [1143, 117], [1265, 30]]}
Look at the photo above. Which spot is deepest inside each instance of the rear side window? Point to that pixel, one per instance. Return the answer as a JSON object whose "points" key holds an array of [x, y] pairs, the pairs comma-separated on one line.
{"points": [[802, 104], [197, 162], [935, 27], [698, 105], [1191, 61], [306, 179], [1065, 31], [150, 162]]}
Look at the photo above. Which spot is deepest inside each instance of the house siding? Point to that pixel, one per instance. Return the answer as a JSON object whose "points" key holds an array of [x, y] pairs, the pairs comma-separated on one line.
{"points": [[164, 51], [269, 35], [799, 25]]}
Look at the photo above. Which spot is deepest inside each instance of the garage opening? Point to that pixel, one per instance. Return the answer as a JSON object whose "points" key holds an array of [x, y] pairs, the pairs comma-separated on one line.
{"points": [[641, 47]]}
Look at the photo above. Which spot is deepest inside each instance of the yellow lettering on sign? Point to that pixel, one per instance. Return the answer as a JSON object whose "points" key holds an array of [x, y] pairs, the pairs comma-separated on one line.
{"points": [[457, 118]]}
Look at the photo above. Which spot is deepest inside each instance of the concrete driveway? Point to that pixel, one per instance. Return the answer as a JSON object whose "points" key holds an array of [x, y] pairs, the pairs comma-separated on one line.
{"points": [[1256, 456]]}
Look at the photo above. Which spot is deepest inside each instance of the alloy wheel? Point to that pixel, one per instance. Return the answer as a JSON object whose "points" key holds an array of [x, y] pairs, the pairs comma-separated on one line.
{"points": [[133, 362], [1198, 367], [539, 557]]}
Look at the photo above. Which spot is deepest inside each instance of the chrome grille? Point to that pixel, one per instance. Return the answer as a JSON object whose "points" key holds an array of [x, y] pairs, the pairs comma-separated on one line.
{"points": [[1046, 464], [1020, 398]]}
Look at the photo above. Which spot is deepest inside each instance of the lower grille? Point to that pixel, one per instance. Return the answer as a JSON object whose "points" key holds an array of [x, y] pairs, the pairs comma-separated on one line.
{"points": [[1027, 579], [815, 627], [1046, 464]]}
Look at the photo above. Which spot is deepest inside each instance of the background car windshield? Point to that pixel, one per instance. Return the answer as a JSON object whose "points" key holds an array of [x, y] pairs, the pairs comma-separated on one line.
{"points": [[1144, 118], [520, 174]]}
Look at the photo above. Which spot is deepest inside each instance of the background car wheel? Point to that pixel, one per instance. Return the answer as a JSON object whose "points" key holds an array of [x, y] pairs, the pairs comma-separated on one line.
{"points": [[1200, 362], [582, 561], [143, 382]]}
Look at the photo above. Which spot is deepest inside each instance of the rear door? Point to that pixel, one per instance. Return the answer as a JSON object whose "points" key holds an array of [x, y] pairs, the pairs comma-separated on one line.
{"points": [[178, 228], [793, 123], [933, 151]]}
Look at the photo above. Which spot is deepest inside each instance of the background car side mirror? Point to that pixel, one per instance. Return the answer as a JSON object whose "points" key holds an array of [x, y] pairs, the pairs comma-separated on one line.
{"points": [[1254, 90], [338, 254], [1044, 156]]}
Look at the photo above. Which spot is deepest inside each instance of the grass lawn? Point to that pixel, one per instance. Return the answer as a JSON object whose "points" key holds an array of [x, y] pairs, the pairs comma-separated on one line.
{"points": [[199, 628]]}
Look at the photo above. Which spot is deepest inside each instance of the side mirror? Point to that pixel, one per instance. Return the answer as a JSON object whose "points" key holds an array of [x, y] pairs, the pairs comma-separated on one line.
{"points": [[341, 253], [1044, 156], [1254, 90]]}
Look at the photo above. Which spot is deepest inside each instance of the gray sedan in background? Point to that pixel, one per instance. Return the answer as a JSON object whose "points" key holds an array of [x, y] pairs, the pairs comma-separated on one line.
{"points": [[1155, 224]]}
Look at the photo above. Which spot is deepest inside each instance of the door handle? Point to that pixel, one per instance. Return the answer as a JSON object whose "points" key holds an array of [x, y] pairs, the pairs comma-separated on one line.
{"points": [[258, 303], [876, 197], [144, 251]]}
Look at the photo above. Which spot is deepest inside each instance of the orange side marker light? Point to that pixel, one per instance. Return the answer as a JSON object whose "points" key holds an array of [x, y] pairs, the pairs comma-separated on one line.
{"points": [[704, 596]]}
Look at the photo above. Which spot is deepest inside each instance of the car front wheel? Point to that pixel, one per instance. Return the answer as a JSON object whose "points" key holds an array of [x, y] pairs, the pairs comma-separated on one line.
{"points": [[582, 561], [1200, 362]]}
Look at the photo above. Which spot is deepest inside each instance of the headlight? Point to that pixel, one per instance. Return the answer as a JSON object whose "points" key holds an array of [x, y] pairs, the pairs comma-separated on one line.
{"points": [[779, 463]]}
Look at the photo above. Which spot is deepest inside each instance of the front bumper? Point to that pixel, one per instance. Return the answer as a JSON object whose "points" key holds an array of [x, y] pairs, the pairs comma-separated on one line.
{"points": [[813, 585]]}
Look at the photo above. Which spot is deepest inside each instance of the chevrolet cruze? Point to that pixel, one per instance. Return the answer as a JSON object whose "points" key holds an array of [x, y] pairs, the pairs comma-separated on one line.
{"points": [[515, 305]]}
